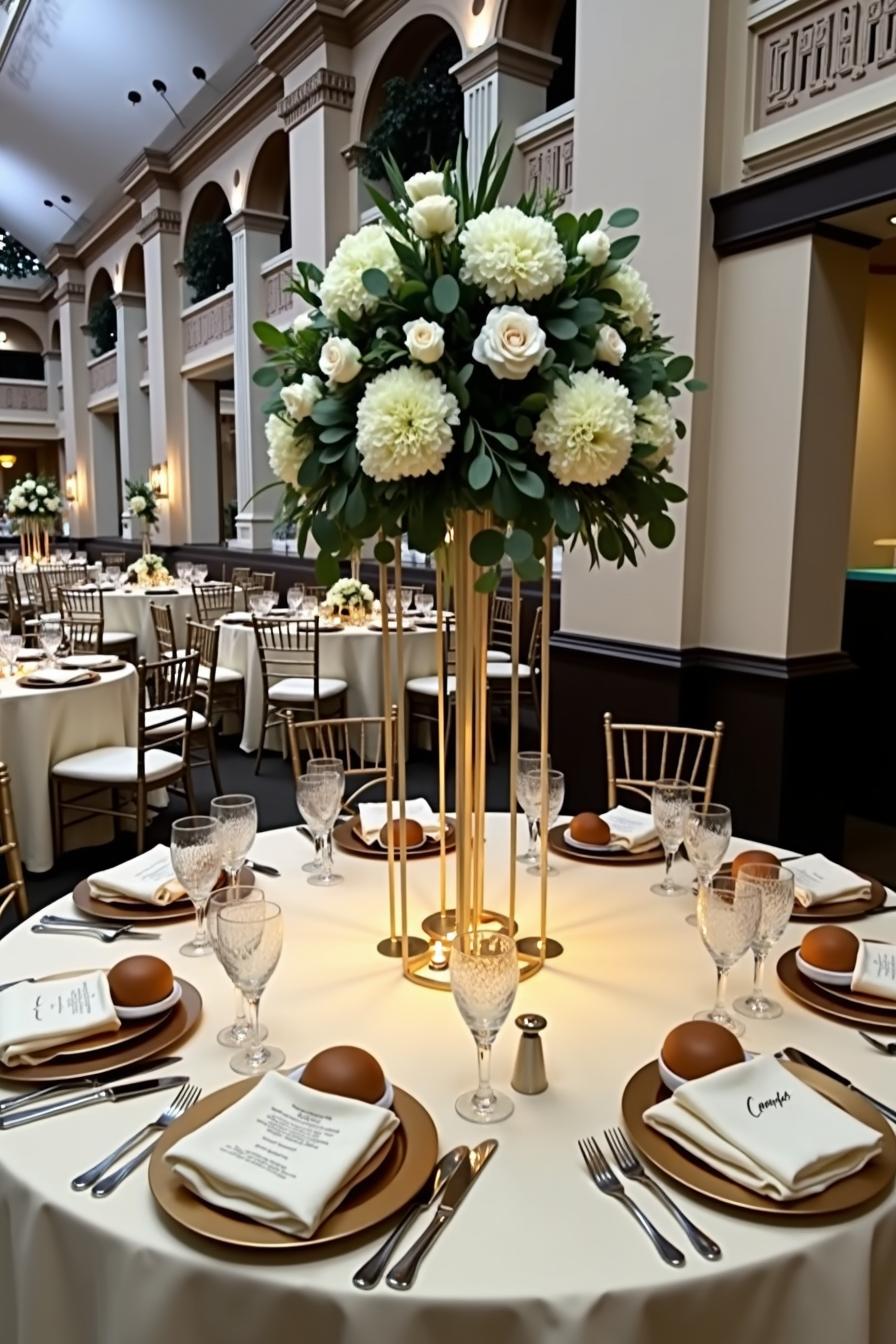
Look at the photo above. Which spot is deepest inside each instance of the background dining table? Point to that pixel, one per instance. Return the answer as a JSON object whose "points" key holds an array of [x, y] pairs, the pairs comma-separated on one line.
{"points": [[39, 727], [535, 1255], [126, 611]]}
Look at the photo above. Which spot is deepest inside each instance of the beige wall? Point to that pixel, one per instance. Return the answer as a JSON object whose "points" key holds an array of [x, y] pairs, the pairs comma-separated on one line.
{"points": [[873, 512]]}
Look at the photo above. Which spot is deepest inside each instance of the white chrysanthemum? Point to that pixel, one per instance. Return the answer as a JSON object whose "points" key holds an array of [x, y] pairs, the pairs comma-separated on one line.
{"points": [[512, 255], [587, 430], [656, 425], [286, 450], [342, 286], [404, 424], [636, 304]]}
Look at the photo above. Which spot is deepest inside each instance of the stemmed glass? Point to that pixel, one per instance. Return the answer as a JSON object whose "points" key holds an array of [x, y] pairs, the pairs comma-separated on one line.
{"points": [[774, 886], [200, 573], [294, 596], [707, 834], [268, 601], [257, 604], [527, 763], [238, 818], [556, 789], [424, 603], [319, 796], [10, 645], [332, 763], [728, 913], [250, 940], [184, 570], [391, 600], [670, 804], [50, 636], [113, 574], [239, 1031], [407, 598], [196, 860], [309, 607], [485, 972]]}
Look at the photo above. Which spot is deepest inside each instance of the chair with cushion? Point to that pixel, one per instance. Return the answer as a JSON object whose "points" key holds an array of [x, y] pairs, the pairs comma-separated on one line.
{"points": [[21, 616], [89, 602], [213, 600], [500, 629], [52, 578], [360, 744], [639, 754], [219, 691], [241, 576], [423, 692], [500, 673], [161, 759], [12, 882], [289, 653]]}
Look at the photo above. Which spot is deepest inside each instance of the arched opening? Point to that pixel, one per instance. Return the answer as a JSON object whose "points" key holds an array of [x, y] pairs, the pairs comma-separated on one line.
{"points": [[550, 26], [208, 255], [102, 320], [414, 108], [20, 351], [134, 279], [269, 183], [55, 338]]}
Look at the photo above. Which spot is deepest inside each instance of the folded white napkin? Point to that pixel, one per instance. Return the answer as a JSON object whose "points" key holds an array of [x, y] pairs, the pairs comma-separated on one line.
{"points": [[57, 676], [148, 878], [759, 1125], [285, 1155], [629, 828], [372, 817], [89, 660], [38, 1017], [875, 971], [820, 881]]}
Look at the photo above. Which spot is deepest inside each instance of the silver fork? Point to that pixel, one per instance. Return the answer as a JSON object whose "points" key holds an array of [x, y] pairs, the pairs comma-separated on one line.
{"points": [[630, 1165], [104, 935], [184, 1099], [608, 1183]]}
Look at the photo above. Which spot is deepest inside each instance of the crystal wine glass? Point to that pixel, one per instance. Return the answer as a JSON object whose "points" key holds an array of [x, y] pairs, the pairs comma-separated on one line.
{"points": [[184, 570], [50, 636], [196, 860], [485, 972], [774, 885], [309, 607], [424, 603], [250, 940], [728, 913], [200, 573], [391, 600], [239, 1030], [256, 604], [238, 818], [319, 797], [670, 804], [407, 598], [529, 763], [556, 787], [10, 648], [294, 597], [113, 574], [707, 834], [324, 763]]}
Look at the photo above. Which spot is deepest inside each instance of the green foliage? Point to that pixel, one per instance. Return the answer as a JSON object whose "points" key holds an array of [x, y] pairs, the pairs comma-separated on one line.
{"points": [[16, 262], [208, 260], [102, 323], [420, 119]]}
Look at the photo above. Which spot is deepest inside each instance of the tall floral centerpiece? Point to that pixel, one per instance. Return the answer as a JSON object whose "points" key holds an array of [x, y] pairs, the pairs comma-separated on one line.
{"points": [[484, 379], [141, 502], [34, 505]]}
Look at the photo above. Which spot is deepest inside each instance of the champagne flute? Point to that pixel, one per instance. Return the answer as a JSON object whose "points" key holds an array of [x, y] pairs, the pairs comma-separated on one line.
{"points": [[319, 796], [707, 834], [309, 607], [324, 763], [556, 787], [528, 763], [774, 885], [50, 636], [391, 600], [485, 972], [294, 596], [196, 860], [250, 940], [670, 804], [238, 818], [406, 599], [239, 1030], [728, 914]]}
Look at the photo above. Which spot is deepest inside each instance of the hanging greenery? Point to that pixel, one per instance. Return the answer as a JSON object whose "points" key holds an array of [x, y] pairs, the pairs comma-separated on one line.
{"points": [[16, 262], [102, 323], [421, 118], [208, 259]]}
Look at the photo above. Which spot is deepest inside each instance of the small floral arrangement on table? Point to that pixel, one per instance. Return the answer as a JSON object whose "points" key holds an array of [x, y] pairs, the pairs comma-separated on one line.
{"points": [[141, 501], [349, 600], [148, 572], [34, 498]]}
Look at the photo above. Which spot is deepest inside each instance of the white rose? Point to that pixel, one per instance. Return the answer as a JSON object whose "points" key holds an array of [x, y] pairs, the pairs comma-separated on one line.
{"points": [[41, 490], [299, 398], [33, 505], [610, 347], [138, 504], [53, 504], [340, 360], [434, 217], [594, 247], [425, 340], [425, 184], [511, 343], [28, 486], [301, 323]]}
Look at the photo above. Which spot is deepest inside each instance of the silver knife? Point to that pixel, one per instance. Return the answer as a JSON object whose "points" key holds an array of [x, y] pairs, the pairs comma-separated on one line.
{"points": [[402, 1274], [118, 1093], [90, 1083], [263, 868], [800, 1057]]}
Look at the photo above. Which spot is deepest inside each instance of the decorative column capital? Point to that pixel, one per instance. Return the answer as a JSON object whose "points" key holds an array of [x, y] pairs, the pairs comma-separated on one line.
{"points": [[254, 221], [325, 88], [353, 153], [128, 299], [150, 171], [156, 221], [502, 57], [70, 291]]}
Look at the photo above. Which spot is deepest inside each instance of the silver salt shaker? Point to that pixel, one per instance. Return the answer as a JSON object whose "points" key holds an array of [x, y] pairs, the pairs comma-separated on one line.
{"points": [[528, 1072]]}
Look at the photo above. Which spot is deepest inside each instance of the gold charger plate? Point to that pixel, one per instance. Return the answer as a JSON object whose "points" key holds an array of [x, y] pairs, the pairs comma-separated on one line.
{"points": [[646, 1087], [350, 842], [814, 996], [393, 1184], [831, 914], [33, 682], [557, 843], [135, 912], [176, 1024]]}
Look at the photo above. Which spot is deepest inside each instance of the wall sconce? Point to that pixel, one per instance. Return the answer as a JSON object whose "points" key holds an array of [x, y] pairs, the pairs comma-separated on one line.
{"points": [[71, 487], [158, 479], [7, 461]]}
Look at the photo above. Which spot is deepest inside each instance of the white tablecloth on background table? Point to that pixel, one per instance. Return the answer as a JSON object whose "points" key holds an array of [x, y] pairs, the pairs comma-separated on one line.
{"points": [[40, 727], [535, 1255], [355, 654], [129, 612]]}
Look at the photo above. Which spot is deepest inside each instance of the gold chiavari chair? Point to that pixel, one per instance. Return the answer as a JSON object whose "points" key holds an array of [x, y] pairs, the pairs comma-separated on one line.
{"points": [[423, 692], [500, 629], [213, 600], [82, 633], [648, 752], [241, 576], [499, 673], [34, 592], [289, 653], [220, 690], [52, 578], [79, 602], [263, 579], [21, 618], [359, 743], [163, 626], [161, 759], [13, 890]]}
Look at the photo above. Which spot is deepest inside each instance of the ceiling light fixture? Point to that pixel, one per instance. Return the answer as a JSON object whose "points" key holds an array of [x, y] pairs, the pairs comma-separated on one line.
{"points": [[893, 219], [134, 97], [7, 461], [199, 73], [161, 89], [51, 205]]}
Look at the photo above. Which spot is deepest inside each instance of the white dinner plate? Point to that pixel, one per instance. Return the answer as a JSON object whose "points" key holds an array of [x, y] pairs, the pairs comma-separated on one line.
{"points": [[90, 660], [673, 1080], [150, 1009], [592, 849], [385, 1100]]}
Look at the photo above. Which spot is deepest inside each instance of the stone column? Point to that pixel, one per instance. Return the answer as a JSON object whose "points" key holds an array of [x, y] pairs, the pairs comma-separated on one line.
{"points": [[316, 111], [53, 378], [255, 238], [133, 402], [63, 264], [196, 484], [504, 85], [159, 231]]}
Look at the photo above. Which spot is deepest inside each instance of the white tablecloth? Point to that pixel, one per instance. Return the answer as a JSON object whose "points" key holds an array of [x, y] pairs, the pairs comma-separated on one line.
{"points": [[40, 727], [535, 1255], [354, 654], [129, 612]]}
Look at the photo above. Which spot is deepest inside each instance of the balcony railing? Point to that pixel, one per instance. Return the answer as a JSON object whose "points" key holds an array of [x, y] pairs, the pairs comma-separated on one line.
{"points": [[21, 396], [547, 145], [277, 273], [208, 323], [102, 372]]}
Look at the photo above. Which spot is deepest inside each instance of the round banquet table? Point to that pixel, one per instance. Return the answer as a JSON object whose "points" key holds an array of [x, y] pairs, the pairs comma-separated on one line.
{"points": [[535, 1255], [355, 654], [39, 727], [127, 612]]}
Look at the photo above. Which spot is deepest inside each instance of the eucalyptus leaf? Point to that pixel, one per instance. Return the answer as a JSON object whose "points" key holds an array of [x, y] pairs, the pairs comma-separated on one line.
{"points": [[446, 294], [488, 582], [331, 453], [531, 485], [266, 376], [325, 532], [624, 247], [334, 433], [356, 507], [384, 552], [487, 547], [336, 500], [269, 335], [523, 427], [331, 411], [588, 312], [530, 569], [518, 545], [623, 219], [661, 531], [678, 368], [376, 282], [536, 402], [608, 543], [326, 567], [696, 385], [565, 513], [562, 328], [480, 472]]}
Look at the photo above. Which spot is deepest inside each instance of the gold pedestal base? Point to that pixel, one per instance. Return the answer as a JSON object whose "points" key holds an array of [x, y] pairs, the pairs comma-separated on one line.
{"points": [[391, 947], [531, 947]]}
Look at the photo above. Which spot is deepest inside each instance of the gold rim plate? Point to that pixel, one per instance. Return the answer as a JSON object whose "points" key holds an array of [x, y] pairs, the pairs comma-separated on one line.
{"points": [[87, 679], [558, 844], [832, 914], [646, 1088], [814, 996], [350, 842], [395, 1181], [135, 912]]}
